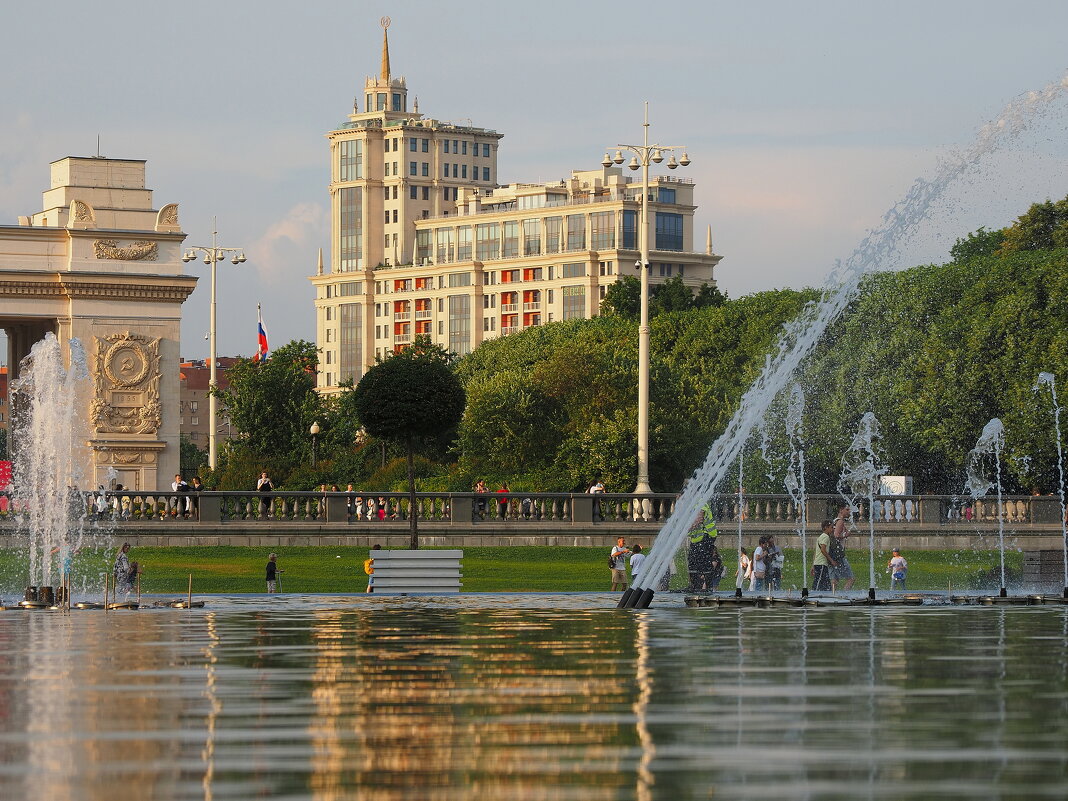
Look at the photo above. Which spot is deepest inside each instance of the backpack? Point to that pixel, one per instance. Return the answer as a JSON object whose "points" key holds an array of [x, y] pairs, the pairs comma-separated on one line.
{"points": [[612, 562], [368, 566]]}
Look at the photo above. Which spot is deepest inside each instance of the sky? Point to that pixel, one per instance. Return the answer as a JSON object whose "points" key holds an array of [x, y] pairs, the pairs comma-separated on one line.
{"points": [[804, 122]]}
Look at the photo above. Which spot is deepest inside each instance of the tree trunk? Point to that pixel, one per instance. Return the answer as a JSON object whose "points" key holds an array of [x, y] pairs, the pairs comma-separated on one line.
{"points": [[413, 515]]}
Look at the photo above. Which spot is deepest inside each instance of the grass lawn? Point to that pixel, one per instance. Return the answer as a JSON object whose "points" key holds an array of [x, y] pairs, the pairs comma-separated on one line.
{"points": [[517, 569]]}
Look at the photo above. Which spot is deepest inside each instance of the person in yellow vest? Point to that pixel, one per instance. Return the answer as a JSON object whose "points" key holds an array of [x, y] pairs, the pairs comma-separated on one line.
{"points": [[369, 567], [703, 535]]}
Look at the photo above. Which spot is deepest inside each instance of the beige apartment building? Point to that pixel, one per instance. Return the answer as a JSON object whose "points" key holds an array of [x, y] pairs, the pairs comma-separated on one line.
{"points": [[424, 242]]}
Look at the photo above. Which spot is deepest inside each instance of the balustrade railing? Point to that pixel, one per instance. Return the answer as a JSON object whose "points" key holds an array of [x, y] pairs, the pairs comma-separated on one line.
{"points": [[900, 512]]}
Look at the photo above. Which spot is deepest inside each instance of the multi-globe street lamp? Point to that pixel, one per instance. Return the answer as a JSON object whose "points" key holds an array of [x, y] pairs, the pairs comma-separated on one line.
{"points": [[213, 256], [644, 155], [314, 431]]}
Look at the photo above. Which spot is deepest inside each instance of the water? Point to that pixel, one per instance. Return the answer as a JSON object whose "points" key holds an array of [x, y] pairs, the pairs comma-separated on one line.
{"points": [[990, 445], [861, 471], [50, 455], [795, 469], [802, 335], [535, 697], [1049, 381]]}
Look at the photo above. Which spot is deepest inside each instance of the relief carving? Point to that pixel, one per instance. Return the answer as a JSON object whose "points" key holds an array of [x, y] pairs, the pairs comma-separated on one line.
{"points": [[124, 363], [167, 219], [82, 212], [138, 251]]}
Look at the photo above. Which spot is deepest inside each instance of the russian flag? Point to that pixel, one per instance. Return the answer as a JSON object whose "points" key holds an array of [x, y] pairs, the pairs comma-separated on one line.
{"points": [[261, 347]]}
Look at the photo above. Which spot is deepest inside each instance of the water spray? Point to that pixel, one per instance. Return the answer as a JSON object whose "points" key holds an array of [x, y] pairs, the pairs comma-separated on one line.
{"points": [[1048, 380]]}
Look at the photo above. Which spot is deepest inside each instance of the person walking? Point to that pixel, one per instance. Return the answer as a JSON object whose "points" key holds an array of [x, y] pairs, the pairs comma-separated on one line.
{"points": [[125, 571], [272, 573], [823, 561], [898, 568], [617, 563], [759, 567], [636, 559]]}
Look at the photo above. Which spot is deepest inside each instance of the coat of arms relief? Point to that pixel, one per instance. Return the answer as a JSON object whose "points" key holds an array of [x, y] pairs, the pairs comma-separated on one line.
{"points": [[127, 379]]}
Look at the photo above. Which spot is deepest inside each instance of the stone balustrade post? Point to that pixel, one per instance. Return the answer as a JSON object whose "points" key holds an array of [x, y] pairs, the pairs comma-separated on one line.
{"points": [[337, 509], [930, 510], [1045, 509], [582, 508], [210, 506], [462, 509]]}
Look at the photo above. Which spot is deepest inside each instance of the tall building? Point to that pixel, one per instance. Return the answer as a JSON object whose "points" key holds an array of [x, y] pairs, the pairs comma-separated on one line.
{"points": [[426, 243], [193, 400]]}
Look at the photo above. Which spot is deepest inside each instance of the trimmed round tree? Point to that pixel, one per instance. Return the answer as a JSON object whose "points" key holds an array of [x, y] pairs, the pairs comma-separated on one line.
{"points": [[411, 398]]}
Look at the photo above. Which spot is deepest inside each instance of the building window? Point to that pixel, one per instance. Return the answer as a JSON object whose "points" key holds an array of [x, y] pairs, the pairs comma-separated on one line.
{"points": [[455, 145], [574, 302], [426, 193], [604, 230], [459, 279], [463, 170], [413, 144], [455, 171], [553, 227], [665, 195], [394, 217], [350, 155], [489, 323], [350, 229], [511, 239], [426, 169], [485, 150], [668, 231], [576, 231], [464, 146], [351, 348], [445, 174], [489, 301], [446, 145], [386, 212], [485, 174], [413, 192], [630, 229], [531, 237], [463, 243], [460, 324], [422, 246], [444, 243], [413, 168], [395, 189], [426, 145], [575, 270], [386, 190], [487, 242]]}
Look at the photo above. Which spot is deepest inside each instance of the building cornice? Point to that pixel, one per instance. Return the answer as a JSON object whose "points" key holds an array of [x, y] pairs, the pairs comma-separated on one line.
{"points": [[150, 288]]}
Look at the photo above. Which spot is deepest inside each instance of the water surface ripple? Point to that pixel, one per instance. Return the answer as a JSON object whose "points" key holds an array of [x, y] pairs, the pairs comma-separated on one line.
{"points": [[532, 697]]}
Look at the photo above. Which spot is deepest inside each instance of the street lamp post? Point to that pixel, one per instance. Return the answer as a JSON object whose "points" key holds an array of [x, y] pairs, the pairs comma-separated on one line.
{"points": [[644, 154], [314, 431], [213, 256]]}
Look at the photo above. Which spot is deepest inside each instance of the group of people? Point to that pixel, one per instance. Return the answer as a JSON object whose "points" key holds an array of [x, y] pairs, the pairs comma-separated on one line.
{"points": [[763, 568], [274, 579]]}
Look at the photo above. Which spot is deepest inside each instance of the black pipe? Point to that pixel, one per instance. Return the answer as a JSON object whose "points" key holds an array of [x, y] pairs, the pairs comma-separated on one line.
{"points": [[738, 592], [644, 599], [625, 598], [804, 592], [871, 593], [1066, 592], [1004, 593]]}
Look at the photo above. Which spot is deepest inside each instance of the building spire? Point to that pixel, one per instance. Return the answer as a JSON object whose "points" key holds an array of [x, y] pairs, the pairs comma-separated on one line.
{"points": [[708, 242], [385, 47], [320, 265]]}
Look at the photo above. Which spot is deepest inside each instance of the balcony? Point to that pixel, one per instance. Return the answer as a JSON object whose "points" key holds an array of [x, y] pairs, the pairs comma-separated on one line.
{"points": [[423, 314], [402, 315], [402, 339], [509, 307], [535, 306], [505, 331]]}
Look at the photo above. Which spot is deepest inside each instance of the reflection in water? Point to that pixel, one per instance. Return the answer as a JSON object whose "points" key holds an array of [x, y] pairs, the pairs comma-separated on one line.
{"points": [[396, 699]]}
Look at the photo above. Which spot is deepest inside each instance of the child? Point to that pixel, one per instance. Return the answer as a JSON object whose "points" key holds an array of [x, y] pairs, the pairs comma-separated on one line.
{"points": [[369, 568], [636, 559], [272, 573], [898, 568]]}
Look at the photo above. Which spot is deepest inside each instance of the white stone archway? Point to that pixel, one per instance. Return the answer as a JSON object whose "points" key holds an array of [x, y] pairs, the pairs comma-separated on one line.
{"points": [[101, 264]]}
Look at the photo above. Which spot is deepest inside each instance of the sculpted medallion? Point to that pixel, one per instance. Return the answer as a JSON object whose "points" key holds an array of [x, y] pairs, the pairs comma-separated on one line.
{"points": [[127, 385]]}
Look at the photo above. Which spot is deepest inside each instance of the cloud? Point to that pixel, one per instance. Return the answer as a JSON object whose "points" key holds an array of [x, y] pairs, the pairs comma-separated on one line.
{"points": [[290, 245]]}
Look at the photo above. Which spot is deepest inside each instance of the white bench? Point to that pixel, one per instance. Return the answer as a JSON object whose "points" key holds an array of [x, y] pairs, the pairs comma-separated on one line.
{"points": [[435, 572]]}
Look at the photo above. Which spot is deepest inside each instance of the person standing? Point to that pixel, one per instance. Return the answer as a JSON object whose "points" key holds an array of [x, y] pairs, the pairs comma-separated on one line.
{"points": [[272, 573], [840, 567], [618, 564], [745, 569], [125, 571], [264, 485], [180, 503], [759, 568], [898, 568], [716, 576], [636, 559], [597, 488], [369, 567], [195, 488], [480, 503], [774, 561], [823, 562]]}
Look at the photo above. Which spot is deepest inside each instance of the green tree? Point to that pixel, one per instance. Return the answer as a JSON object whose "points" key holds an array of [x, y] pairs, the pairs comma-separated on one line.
{"points": [[672, 295], [273, 405], [413, 397], [623, 298], [191, 458], [1044, 226], [977, 244]]}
